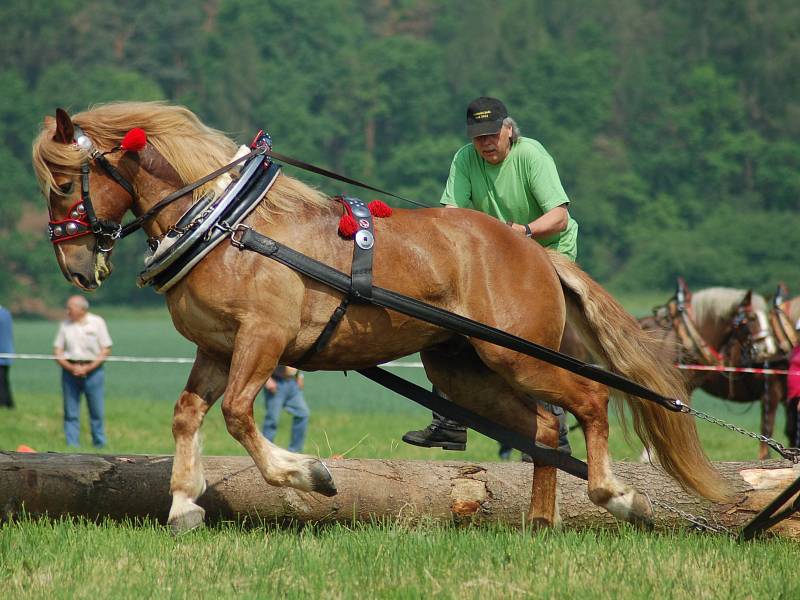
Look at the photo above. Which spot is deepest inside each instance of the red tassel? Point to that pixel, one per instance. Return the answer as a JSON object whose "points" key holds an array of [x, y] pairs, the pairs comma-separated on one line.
{"points": [[380, 209], [347, 226], [134, 140]]}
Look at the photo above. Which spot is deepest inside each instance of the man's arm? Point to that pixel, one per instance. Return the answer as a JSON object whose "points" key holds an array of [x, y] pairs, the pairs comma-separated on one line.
{"points": [[550, 223], [63, 362], [458, 189], [82, 370]]}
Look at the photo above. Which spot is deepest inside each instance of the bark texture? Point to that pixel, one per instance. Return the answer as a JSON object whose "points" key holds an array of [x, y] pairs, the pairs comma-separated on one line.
{"points": [[137, 486]]}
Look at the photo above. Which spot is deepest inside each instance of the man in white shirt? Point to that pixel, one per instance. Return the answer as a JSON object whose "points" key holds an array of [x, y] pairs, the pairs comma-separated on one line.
{"points": [[81, 347]]}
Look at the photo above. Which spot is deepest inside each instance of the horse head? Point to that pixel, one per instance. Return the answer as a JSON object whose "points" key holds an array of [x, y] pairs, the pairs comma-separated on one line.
{"points": [[87, 196], [751, 330], [95, 168]]}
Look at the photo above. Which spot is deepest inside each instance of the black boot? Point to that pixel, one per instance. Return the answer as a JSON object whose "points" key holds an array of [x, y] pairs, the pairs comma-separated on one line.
{"points": [[441, 433]]}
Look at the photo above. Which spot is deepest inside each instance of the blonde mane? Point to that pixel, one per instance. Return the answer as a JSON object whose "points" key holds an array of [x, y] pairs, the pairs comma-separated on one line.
{"points": [[716, 305], [192, 148]]}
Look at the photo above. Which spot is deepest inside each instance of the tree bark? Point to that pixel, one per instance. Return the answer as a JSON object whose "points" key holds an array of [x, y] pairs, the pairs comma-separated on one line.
{"points": [[137, 486]]}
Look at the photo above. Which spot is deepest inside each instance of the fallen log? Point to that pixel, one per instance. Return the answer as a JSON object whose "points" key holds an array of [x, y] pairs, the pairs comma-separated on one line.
{"points": [[137, 486]]}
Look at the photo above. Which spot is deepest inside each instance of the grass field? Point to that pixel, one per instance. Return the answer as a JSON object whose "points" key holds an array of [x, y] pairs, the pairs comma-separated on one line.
{"points": [[351, 416]]}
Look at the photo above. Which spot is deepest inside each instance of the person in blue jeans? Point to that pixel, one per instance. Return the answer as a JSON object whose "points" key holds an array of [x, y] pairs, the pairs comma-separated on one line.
{"points": [[284, 390], [6, 347], [81, 347]]}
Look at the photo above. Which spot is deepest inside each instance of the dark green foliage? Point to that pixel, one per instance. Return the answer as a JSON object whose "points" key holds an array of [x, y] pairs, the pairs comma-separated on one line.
{"points": [[674, 126]]}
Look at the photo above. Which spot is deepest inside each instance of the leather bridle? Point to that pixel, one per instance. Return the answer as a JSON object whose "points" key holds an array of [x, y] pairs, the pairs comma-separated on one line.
{"points": [[81, 218]]}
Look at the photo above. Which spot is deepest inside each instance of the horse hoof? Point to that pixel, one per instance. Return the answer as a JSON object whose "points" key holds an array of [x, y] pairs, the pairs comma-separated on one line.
{"points": [[321, 479], [185, 522], [641, 513]]}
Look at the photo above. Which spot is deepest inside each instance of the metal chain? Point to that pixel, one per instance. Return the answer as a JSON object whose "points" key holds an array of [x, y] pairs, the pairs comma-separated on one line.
{"points": [[792, 454], [204, 214], [702, 523]]}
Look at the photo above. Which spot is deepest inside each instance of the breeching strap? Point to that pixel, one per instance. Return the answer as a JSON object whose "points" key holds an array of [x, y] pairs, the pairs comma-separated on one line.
{"points": [[245, 237]]}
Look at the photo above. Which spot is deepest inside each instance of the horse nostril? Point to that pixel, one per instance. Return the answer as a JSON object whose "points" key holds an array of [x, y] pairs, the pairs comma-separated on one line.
{"points": [[83, 282]]}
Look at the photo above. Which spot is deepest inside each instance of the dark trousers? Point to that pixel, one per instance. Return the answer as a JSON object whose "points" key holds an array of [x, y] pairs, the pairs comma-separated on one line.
{"points": [[563, 440], [6, 399], [792, 421]]}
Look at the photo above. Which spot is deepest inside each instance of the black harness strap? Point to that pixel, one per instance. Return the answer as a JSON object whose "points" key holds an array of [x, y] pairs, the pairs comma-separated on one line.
{"points": [[541, 454], [361, 270], [327, 332], [244, 237], [364, 241]]}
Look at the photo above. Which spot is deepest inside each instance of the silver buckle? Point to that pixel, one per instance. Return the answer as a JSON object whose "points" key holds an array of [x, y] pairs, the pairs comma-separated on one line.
{"points": [[239, 231]]}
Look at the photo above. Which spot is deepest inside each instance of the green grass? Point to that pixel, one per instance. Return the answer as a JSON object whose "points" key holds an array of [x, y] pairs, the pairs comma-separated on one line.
{"points": [[78, 559], [40, 559]]}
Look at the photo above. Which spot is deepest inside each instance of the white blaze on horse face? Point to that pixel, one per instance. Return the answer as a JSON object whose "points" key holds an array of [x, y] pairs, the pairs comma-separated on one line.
{"points": [[765, 342]]}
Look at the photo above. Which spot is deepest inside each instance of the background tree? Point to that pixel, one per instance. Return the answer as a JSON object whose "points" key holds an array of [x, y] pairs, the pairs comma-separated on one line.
{"points": [[675, 126]]}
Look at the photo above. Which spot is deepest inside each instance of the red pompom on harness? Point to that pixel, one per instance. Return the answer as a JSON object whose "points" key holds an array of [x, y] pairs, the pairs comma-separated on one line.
{"points": [[134, 140], [348, 225]]}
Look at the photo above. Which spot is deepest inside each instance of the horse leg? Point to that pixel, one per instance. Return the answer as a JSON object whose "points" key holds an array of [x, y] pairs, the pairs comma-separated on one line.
{"points": [[543, 510], [204, 387], [254, 358], [772, 396], [468, 382], [588, 401]]}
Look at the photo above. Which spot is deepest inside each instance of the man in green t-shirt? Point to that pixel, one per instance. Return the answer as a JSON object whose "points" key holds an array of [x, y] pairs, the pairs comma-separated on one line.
{"points": [[514, 179]]}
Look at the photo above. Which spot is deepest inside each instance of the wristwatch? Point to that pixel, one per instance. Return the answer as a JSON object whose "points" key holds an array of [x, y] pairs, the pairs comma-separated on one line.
{"points": [[528, 232]]}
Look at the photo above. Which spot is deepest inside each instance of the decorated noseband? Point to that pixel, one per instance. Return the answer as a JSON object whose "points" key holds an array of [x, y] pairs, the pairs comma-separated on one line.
{"points": [[81, 218], [73, 226]]}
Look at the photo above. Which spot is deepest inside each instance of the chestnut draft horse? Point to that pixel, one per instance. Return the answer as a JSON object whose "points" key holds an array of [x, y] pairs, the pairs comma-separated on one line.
{"points": [[731, 328], [246, 313]]}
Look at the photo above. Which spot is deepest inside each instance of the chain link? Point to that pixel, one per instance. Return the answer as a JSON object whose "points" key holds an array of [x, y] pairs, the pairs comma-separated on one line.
{"points": [[700, 522], [792, 454], [204, 214]]}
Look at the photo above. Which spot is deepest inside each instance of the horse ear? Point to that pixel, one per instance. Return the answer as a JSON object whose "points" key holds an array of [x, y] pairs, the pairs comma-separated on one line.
{"points": [[748, 298], [684, 289], [65, 131]]}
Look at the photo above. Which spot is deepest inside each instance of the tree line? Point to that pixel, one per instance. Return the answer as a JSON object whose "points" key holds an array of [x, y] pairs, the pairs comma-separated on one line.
{"points": [[674, 125]]}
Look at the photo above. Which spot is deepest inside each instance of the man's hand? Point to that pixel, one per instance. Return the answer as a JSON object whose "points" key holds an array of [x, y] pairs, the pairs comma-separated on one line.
{"points": [[271, 385], [516, 227]]}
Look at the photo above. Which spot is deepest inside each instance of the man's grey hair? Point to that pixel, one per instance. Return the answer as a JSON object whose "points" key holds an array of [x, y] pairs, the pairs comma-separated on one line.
{"points": [[514, 128], [81, 301]]}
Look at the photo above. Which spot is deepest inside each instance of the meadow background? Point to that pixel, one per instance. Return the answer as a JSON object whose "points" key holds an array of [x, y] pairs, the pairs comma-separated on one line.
{"points": [[351, 416]]}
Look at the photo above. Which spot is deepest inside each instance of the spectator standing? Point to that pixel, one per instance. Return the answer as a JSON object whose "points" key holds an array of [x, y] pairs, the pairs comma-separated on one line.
{"points": [[6, 347], [81, 347], [284, 390]]}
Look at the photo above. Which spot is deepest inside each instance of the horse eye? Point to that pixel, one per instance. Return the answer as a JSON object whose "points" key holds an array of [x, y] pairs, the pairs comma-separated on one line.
{"points": [[66, 188]]}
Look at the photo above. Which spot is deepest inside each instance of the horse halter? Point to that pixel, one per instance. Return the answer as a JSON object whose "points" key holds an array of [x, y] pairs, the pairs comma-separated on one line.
{"points": [[753, 341], [81, 218]]}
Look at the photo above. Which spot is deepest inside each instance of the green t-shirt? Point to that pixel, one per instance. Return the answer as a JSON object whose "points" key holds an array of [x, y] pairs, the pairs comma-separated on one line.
{"points": [[520, 189]]}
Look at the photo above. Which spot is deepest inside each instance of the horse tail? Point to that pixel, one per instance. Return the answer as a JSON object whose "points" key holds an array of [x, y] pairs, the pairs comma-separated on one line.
{"points": [[615, 337]]}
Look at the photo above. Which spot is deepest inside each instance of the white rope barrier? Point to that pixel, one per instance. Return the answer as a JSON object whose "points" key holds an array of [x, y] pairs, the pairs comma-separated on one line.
{"points": [[738, 370], [400, 364], [168, 359]]}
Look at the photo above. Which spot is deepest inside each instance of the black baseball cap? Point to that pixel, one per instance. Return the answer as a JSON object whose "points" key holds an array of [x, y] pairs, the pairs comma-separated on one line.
{"points": [[485, 116]]}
